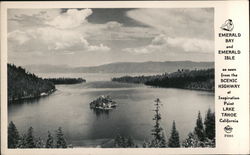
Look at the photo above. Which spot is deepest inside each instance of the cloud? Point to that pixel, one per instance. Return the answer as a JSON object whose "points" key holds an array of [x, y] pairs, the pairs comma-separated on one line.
{"points": [[145, 50], [18, 36], [159, 40], [71, 19], [188, 23], [30, 18], [117, 31], [192, 44], [162, 43], [55, 35], [113, 25], [181, 30], [51, 39]]}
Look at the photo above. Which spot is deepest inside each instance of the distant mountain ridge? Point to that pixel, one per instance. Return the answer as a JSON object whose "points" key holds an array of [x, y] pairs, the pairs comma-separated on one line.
{"points": [[123, 67]]}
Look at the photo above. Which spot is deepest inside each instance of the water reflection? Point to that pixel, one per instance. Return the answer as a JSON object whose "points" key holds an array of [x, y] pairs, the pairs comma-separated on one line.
{"points": [[29, 100], [100, 113]]}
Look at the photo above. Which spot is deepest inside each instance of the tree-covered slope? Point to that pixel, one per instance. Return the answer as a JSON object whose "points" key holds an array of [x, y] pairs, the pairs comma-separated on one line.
{"points": [[195, 79], [188, 79], [22, 84], [66, 80]]}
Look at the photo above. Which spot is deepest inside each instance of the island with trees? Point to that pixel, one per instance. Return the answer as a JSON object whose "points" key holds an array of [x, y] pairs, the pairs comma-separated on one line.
{"points": [[103, 103], [202, 79]]}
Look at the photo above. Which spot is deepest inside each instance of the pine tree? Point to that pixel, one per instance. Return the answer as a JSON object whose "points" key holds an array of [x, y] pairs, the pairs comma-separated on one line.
{"points": [[117, 141], [13, 136], [50, 141], [156, 131], [174, 140], [22, 143], [191, 141], [163, 141], [130, 142], [30, 140], [39, 143], [199, 129], [145, 144], [60, 142], [210, 124]]}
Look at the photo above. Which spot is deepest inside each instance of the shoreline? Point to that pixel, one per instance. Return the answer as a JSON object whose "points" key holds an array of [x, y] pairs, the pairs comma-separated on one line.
{"points": [[196, 89], [43, 94]]}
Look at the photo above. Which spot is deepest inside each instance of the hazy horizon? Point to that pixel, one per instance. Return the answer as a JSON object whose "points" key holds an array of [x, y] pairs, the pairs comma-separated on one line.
{"points": [[68, 65]]}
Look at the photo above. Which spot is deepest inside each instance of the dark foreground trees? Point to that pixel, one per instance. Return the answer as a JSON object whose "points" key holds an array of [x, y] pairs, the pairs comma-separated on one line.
{"points": [[13, 136], [210, 124], [199, 129], [124, 142], [60, 142], [202, 136], [28, 140], [159, 138], [174, 140], [50, 141]]}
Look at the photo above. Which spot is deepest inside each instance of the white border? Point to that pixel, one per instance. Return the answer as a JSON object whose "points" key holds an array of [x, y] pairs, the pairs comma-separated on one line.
{"points": [[237, 10]]}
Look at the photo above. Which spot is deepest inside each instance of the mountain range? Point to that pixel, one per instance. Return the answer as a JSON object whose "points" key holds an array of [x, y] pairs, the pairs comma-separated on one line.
{"points": [[123, 67]]}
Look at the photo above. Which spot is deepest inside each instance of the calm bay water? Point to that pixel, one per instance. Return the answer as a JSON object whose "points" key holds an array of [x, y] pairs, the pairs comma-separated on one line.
{"points": [[68, 107]]}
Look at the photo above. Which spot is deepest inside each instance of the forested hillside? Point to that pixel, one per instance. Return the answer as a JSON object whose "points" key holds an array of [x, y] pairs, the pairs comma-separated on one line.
{"points": [[66, 80], [22, 84], [194, 79]]}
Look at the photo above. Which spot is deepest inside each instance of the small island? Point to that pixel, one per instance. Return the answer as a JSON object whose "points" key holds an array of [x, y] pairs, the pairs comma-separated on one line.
{"points": [[103, 103]]}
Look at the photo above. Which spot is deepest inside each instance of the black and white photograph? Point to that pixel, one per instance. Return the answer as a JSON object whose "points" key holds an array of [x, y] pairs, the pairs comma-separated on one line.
{"points": [[110, 78]]}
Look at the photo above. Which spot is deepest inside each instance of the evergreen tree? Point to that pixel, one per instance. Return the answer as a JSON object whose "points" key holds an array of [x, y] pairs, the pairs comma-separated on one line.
{"points": [[163, 141], [39, 143], [199, 129], [145, 144], [123, 142], [130, 142], [156, 131], [210, 124], [174, 138], [22, 143], [60, 142], [13, 136], [118, 141], [191, 141], [50, 141], [30, 140]]}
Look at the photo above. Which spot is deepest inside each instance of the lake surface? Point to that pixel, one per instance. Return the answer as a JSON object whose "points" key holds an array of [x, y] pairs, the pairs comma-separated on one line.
{"points": [[68, 108]]}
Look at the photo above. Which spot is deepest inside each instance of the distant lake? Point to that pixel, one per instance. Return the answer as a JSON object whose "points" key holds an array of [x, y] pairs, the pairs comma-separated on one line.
{"points": [[68, 107]]}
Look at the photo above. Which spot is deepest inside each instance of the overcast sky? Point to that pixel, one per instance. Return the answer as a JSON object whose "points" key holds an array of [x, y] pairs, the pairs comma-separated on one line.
{"points": [[87, 37]]}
